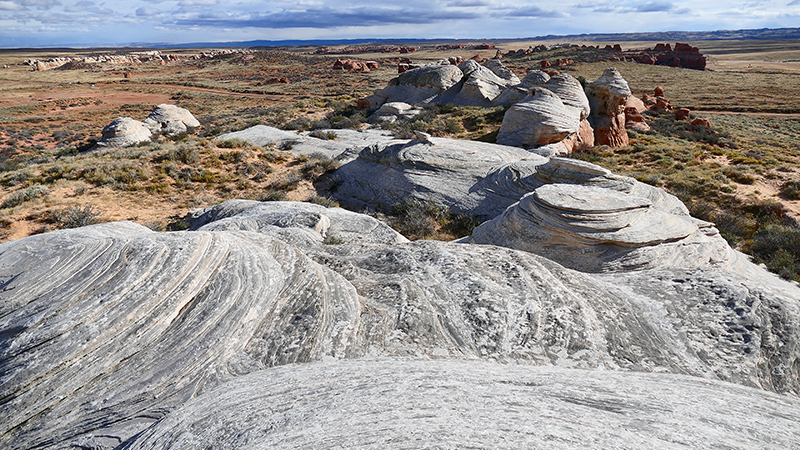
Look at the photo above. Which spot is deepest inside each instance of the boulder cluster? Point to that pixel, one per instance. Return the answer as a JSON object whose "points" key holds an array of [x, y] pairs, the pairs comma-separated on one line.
{"points": [[353, 65], [549, 115], [164, 119]]}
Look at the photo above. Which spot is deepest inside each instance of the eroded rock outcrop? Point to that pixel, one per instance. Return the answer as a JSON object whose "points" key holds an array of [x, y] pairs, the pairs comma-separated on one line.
{"points": [[467, 176], [607, 97], [539, 120], [417, 86]]}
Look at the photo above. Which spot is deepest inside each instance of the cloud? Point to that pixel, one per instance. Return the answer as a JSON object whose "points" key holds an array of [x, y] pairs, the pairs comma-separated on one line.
{"points": [[9, 6], [654, 7], [146, 11], [332, 18], [472, 3], [794, 3], [528, 12], [40, 4], [198, 2]]}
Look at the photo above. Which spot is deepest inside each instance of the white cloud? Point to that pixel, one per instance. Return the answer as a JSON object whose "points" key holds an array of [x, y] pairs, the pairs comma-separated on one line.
{"points": [[146, 11], [198, 2], [9, 6]]}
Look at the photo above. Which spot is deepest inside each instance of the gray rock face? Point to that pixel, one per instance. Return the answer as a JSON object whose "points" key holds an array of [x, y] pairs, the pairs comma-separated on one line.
{"points": [[475, 404], [496, 66], [538, 120], [467, 176], [417, 86], [570, 91], [170, 120], [589, 219], [106, 329], [479, 86], [124, 132], [391, 111], [345, 147]]}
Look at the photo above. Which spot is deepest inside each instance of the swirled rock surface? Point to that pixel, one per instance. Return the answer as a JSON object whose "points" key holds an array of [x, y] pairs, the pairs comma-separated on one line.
{"points": [[474, 404], [106, 329], [467, 176], [598, 229], [537, 121]]}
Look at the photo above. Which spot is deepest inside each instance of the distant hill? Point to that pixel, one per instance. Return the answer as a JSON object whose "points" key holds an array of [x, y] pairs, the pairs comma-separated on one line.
{"points": [[667, 36]]}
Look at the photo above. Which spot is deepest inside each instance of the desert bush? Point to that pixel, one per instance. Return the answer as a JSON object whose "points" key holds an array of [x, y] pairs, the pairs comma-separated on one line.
{"points": [[233, 143], [288, 145], [274, 157], [324, 135], [791, 190], [739, 173], [20, 197], [185, 154], [418, 219], [316, 165], [272, 195], [778, 247], [324, 201], [300, 124], [75, 216]]}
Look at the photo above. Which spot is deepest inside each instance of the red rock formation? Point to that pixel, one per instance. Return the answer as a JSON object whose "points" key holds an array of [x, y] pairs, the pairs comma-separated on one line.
{"points": [[701, 122], [545, 64], [682, 114], [658, 91], [278, 80]]}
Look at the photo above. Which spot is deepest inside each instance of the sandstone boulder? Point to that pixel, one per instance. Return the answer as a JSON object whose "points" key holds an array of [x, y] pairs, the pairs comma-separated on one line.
{"points": [[170, 119], [683, 114], [124, 132], [391, 111], [538, 120], [417, 86], [502, 71], [607, 97]]}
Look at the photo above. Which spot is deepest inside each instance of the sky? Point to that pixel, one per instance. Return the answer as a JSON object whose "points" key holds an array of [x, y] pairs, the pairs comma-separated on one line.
{"points": [[52, 23]]}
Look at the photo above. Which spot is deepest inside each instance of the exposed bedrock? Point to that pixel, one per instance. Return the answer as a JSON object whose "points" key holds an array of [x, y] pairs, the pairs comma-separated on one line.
{"points": [[469, 177], [105, 329], [407, 403]]}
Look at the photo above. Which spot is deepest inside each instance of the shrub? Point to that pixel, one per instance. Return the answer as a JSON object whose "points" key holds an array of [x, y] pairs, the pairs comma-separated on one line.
{"points": [[325, 135], [316, 165], [791, 190], [76, 216], [23, 196], [778, 247], [184, 154], [272, 195], [324, 201], [233, 143]]}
